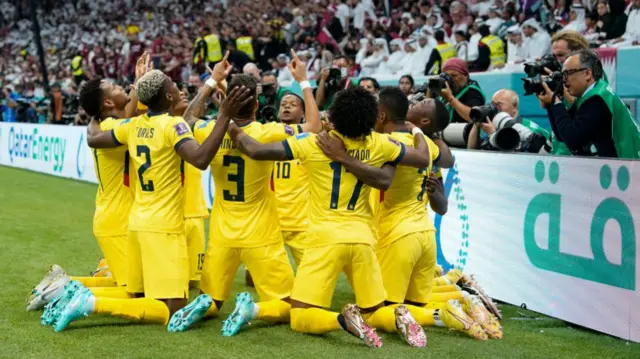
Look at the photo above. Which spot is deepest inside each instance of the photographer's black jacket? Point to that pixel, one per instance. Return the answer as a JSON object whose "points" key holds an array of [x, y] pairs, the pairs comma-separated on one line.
{"points": [[578, 129]]}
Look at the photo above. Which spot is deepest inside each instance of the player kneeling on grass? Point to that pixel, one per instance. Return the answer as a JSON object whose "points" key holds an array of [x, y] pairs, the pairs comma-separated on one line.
{"points": [[158, 266], [109, 104], [340, 238]]}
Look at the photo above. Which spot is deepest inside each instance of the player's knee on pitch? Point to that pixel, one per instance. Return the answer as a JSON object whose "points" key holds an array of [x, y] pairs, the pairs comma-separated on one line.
{"points": [[175, 304], [414, 303], [299, 305], [371, 309]]}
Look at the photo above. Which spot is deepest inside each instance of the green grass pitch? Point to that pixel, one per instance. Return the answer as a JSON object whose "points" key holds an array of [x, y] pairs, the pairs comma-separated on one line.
{"points": [[46, 220]]}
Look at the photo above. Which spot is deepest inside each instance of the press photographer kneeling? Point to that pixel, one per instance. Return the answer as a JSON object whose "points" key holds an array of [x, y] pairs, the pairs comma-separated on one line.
{"points": [[598, 123]]}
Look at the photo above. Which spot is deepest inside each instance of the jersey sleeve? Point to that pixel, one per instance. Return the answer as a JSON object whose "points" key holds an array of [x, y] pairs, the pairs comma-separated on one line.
{"points": [[120, 133], [392, 151], [273, 132], [299, 147], [434, 150], [178, 132], [202, 129]]}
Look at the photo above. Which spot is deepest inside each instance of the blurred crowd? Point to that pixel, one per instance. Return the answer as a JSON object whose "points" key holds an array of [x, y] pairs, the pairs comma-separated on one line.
{"points": [[87, 38]]}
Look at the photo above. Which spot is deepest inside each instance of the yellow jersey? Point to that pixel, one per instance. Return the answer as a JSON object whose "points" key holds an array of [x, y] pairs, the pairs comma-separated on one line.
{"points": [[291, 186], [339, 209], [114, 197], [403, 206], [194, 204], [244, 207], [152, 141]]}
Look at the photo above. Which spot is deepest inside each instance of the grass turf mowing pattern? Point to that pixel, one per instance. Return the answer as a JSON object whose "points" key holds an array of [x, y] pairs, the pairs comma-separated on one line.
{"points": [[48, 220]]}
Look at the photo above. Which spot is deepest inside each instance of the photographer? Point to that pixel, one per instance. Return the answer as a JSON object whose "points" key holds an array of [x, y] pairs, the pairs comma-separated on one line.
{"points": [[269, 97], [331, 81], [458, 91], [598, 122]]}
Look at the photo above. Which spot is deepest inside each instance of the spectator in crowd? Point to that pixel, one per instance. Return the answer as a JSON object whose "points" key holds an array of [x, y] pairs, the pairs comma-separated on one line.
{"points": [[462, 93], [631, 35], [598, 122], [406, 84], [612, 25], [516, 49], [491, 53], [441, 53], [392, 64], [371, 63], [537, 40], [370, 84], [577, 16], [494, 21], [252, 70], [413, 62]]}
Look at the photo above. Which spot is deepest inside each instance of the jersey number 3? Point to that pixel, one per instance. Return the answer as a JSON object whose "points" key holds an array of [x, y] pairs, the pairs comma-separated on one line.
{"points": [[238, 178], [144, 150], [335, 188]]}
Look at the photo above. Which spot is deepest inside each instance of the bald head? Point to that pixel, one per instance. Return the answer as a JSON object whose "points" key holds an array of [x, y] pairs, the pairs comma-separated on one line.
{"points": [[506, 101], [252, 70]]}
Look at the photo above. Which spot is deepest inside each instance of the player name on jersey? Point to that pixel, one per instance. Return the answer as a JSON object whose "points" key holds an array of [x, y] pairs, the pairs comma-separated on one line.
{"points": [[361, 155], [144, 132]]}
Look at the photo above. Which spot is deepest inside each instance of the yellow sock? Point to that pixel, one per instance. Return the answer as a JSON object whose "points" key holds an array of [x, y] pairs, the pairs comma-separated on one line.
{"points": [[453, 275], [141, 309], [423, 316], [444, 297], [212, 312], [383, 318], [277, 311], [112, 292], [314, 320], [441, 281], [91, 282], [435, 305], [443, 288]]}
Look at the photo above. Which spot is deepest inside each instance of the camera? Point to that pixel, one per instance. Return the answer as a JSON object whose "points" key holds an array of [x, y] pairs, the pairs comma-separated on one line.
{"points": [[479, 114], [268, 114], [435, 85], [537, 67], [534, 85], [333, 81], [511, 135]]}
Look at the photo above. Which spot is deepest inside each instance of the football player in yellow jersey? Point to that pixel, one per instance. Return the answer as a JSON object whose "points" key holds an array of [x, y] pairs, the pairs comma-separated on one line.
{"points": [[195, 210], [107, 103], [242, 229], [291, 186], [340, 219], [158, 265]]}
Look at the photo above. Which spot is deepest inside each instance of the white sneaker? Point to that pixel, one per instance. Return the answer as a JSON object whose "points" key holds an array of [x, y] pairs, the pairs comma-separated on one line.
{"points": [[49, 287]]}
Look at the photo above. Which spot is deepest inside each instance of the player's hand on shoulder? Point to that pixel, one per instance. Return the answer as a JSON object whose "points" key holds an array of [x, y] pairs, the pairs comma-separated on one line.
{"points": [[236, 100], [297, 68], [332, 146]]}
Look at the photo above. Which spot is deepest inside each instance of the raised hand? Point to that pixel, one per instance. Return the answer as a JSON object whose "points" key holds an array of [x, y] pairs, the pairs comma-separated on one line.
{"points": [[297, 68], [143, 65], [222, 69], [235, 101]]}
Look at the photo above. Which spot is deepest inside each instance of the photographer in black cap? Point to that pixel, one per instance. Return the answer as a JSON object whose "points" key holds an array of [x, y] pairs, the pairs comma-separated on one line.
{"points": [[458, 91], [598, 122]]}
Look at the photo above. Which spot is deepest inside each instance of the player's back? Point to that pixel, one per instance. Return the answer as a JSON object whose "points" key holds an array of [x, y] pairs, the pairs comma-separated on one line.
{"points": [[340, 211], [114, 196], [244, 206], [159, 195], [403, 205]]}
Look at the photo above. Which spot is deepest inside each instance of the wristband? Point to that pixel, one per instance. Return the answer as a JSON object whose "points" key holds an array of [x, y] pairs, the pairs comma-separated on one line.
{"points": [[211, 83], [416, 130], [305, 85]]}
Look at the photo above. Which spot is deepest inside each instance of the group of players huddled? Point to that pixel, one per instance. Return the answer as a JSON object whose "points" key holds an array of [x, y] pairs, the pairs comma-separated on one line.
{"points": [[304, 183]]}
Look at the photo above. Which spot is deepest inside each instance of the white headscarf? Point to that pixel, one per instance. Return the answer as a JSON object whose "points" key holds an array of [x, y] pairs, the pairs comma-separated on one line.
{"points": [[382, 42]]}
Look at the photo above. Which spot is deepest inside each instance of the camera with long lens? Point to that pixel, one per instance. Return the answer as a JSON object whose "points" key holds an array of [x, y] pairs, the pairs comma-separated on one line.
{"points": [[267, 110], [533, 85], [510, 135], [534, 68], [435, 85]]}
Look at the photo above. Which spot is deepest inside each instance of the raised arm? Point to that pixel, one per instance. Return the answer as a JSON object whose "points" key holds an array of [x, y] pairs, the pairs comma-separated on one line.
{"points": [[418, 157], [196, 107], [96, 138], [143, 65], [201, 156], [333, 147], [311, 114]]}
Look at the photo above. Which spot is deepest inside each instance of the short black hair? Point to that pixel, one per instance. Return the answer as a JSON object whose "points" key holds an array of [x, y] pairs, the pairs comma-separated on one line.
{"points": [[354, 112], [441, 118], [376, 85], [395, 103], [410, 78], [423, 17], [590, 60], [248, 82], [269, 73], [484, 30], [439, 35], [91, 97]]}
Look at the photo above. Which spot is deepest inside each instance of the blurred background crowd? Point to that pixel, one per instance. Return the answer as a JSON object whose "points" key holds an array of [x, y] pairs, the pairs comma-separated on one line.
{"points": [[87, 38]]}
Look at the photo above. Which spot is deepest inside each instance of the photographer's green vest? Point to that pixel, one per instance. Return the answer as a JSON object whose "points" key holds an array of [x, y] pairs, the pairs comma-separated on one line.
{"points": [[533, 127], [471, 85], [625, 132]]}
